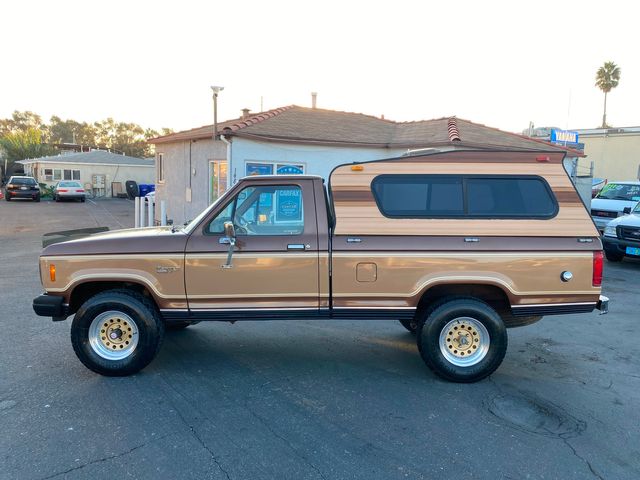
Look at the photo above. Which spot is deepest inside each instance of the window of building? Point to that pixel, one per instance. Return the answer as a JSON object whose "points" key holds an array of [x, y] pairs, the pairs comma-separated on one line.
{"points": [[468, 196], [271, 168], [57, 174], [160, 167], [217, 179], [264, 210], [71, 174], [48, 174]]}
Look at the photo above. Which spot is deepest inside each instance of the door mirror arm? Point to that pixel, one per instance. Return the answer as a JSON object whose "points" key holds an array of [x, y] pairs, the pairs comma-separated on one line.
{"points": [[230, 238]]}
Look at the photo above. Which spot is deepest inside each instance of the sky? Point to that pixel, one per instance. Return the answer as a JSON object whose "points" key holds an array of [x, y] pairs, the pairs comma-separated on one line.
{"points": [[499, 63]]}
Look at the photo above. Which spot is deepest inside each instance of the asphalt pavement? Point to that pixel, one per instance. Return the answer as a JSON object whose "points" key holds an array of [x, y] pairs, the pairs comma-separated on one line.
{"points": [[309, 399]]}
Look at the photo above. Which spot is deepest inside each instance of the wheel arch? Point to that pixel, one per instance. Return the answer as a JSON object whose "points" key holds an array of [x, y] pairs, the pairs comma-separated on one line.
{"points": [[81, 292]]}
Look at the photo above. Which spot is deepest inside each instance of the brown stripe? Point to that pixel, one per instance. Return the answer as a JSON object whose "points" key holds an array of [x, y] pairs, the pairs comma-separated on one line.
{"points": [[353, 196]]}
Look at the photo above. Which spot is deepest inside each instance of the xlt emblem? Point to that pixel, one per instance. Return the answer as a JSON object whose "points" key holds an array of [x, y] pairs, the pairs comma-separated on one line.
{"points": [[165, 269]]}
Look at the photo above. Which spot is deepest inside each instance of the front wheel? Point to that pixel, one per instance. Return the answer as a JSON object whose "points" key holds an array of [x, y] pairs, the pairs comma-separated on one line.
{"points": [[462, 340], [117, 333]]}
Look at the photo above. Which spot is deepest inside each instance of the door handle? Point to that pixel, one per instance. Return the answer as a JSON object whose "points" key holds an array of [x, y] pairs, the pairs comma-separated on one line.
{"points": [[295, 246]]}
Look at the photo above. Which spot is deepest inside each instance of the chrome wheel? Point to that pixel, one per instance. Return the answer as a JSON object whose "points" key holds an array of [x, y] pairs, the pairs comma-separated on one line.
{"points": [[113, 335], [464, 341]]}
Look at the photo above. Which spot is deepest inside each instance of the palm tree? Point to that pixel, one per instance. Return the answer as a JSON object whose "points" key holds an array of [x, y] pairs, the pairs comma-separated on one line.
{"points": [[607, 78]]}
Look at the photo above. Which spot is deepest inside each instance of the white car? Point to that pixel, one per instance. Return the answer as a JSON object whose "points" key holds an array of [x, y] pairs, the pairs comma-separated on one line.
{"points": [[67, 189], [614, 200]]}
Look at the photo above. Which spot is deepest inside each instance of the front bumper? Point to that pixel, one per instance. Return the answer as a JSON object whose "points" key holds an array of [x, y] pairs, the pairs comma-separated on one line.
{"points": [[51, 306], [603, 305], [618, 246]]}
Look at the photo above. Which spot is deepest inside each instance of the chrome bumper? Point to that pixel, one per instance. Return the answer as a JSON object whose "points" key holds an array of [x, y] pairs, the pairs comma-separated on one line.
{"points": [[603, 305]]}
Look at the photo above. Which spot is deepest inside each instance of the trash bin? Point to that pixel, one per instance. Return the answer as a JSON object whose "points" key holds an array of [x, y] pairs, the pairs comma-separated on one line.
{"points": [[146, 188]]}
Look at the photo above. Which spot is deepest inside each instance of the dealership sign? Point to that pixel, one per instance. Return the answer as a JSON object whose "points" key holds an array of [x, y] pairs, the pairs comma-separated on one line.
{"points": [[563, 136]]}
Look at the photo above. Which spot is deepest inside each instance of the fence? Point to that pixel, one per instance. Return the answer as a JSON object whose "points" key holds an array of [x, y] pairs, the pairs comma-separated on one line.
{"points": [[144, 212]]}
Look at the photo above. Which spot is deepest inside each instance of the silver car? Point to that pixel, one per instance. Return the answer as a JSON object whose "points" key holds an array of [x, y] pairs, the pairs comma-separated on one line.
{"points": [[67, 189]]}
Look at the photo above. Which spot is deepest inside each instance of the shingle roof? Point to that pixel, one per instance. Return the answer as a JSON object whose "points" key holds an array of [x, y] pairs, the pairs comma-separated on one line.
{"points": [[314, 125], [94, 157]]}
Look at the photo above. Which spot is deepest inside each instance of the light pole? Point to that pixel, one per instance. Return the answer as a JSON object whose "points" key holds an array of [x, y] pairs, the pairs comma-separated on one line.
{"points": [[216, 90]]}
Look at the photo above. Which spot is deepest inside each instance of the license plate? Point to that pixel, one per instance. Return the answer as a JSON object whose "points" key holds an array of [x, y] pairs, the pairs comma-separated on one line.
{"points": [[633, 251], [23, 188]]}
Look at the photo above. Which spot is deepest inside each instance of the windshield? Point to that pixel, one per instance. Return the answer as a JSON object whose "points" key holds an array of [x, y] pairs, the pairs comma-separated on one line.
{"points": [[188, 228], [22, 181], [620, 191]]}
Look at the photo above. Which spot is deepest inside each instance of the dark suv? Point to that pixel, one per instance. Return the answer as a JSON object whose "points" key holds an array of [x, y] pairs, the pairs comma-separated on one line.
{"points": [[22, 187]]}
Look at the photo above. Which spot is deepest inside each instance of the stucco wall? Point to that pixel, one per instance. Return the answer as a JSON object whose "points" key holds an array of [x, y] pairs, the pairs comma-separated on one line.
{"points": [[113, 173], [184, 170], [615, 157]]}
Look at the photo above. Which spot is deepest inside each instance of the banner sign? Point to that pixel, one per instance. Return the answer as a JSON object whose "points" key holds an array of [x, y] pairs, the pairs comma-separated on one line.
{"points": [[563, 136]]}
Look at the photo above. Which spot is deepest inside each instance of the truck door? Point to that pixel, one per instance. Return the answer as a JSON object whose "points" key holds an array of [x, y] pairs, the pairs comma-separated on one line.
{"points": [[274, 266]]}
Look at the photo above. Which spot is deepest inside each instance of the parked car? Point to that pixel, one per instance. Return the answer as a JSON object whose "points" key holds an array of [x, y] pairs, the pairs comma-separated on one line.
{"points": [[69, 190], [622, 237], [22, 187], [615, 199], [458, 246]]}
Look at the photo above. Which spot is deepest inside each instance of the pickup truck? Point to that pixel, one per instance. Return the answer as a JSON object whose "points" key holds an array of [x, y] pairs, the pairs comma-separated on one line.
{"points": [[458, 246]]}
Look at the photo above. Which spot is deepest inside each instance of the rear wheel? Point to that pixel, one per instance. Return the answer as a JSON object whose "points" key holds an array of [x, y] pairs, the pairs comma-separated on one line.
{"points": [[462, 340], [56, 198], [7, 198], [613, 257], [82, 199], [37, 199], [411, 325], [117, 333]]}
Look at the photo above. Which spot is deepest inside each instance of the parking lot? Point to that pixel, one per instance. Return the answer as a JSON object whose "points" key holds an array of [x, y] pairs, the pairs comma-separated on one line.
{"points": [[309, 400]]}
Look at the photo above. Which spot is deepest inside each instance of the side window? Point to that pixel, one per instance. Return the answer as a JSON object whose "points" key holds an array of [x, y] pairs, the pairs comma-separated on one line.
{"points": [[463, 196], [263, 210], [418, 196], [509, 197]]}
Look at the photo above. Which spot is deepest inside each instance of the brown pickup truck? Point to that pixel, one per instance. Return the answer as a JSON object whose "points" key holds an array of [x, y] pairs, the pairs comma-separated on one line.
{"points": [[457, 246]]}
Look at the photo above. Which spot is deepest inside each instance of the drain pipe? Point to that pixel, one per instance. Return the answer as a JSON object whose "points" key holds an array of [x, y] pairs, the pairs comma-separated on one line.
{"points": [[228, 143]]}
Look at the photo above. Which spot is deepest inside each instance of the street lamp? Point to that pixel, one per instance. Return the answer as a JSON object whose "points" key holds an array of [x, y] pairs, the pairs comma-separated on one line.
{"points": [[216, 90]]}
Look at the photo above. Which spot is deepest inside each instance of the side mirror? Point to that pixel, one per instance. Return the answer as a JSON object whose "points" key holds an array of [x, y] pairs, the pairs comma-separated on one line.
{"points": [[229, 230], [230, 233], [626, 210]]}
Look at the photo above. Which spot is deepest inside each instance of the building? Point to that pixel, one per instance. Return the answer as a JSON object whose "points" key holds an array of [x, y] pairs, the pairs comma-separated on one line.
{"points": [[193, 169], [100, 172], [615, 152]]}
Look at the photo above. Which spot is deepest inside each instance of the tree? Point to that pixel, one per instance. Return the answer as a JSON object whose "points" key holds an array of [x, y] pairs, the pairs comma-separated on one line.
{"points": [[25, 144], [70, 131], [607, 78], [20, 122]]}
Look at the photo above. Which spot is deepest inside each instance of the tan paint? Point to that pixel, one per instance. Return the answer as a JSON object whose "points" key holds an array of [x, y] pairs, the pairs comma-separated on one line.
{"points": [[73, 270], [256, 280], [402, 278]]}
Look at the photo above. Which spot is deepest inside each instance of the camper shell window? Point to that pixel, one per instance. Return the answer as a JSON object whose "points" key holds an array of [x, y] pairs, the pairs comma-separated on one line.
{"points": [[464, 196]]}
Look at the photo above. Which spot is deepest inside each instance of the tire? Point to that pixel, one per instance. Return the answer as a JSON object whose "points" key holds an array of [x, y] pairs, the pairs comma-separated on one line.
{"points": [[56, 198], [37, 199], [178, 325], [410, 325], [466, 358], [121, 311], [7, 198], [613, 257], [82, 200]]}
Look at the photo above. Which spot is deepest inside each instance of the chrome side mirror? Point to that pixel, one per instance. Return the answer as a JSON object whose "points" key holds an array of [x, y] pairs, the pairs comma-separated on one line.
{"points": [[230, 234]]}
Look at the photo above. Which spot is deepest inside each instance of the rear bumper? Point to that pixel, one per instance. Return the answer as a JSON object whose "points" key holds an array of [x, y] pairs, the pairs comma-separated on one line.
{"points": [[22, 194], [603, 305], [51, 306]]}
